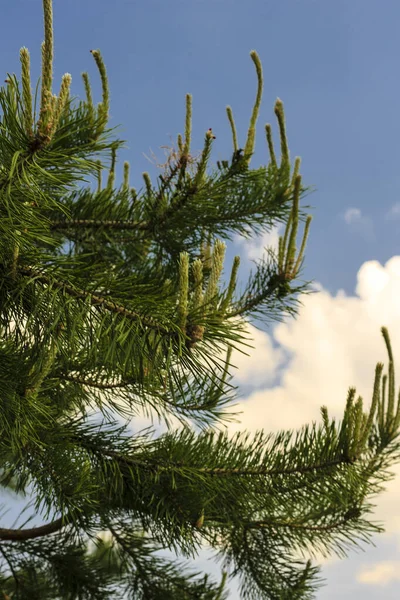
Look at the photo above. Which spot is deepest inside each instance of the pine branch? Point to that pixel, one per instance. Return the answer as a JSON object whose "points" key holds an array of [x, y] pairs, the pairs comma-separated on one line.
{"points": [[95, 300], [18, 535]]}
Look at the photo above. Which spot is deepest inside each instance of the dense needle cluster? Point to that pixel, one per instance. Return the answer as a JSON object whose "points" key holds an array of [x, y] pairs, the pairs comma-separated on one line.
{"points": [[112, 304]]}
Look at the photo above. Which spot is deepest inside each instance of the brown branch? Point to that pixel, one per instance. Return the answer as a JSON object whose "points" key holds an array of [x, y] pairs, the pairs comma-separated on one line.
{"points": [[266, 471], [96, 384], [269, 524], [96, 223], [174, 207], [165, 183], [272, 524], [253, 301], [94, 299], [20, 535], [121, 224], [120, 384], [261, 470]]}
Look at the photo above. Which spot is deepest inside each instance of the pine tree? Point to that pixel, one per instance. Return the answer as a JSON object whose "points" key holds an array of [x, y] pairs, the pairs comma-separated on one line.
{"points": [[112, 304]]}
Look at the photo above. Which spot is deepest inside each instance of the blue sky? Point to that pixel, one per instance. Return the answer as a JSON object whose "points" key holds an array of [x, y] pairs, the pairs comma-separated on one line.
{"points": [[334, 64]]}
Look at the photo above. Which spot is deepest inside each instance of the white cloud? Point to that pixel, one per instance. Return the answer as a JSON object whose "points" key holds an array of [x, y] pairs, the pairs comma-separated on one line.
{"points": [[358, 223], [393, 212], [263, 370], [352, 215], [381, 573], [254, 247]]}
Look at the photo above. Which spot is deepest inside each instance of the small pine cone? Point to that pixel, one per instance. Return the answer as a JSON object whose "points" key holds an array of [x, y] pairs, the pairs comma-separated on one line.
{"points": [[195, 332]]}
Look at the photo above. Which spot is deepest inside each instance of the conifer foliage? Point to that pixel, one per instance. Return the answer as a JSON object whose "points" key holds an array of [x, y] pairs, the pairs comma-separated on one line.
{"points": [[112, 304]]}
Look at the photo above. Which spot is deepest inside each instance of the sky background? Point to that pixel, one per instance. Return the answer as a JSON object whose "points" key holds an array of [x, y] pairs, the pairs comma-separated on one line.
{"points": [[335, 65]]}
